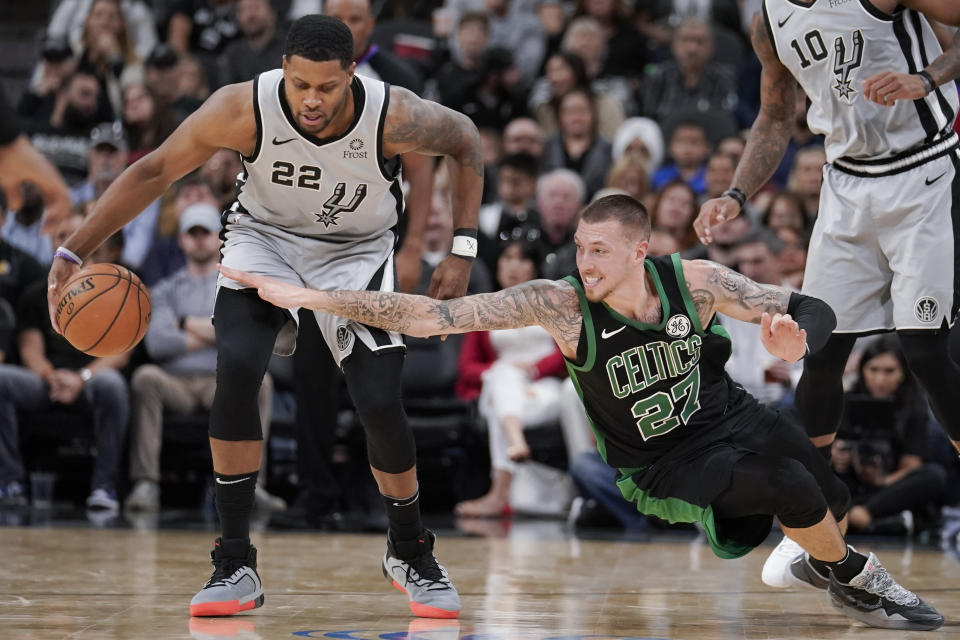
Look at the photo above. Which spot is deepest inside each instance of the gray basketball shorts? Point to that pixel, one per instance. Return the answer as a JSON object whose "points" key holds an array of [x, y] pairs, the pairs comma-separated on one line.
{"points": [[263, 249], [883, 253]]}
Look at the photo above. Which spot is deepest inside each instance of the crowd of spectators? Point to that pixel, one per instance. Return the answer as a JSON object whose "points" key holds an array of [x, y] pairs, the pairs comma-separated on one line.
{"points": [[574, 99]]}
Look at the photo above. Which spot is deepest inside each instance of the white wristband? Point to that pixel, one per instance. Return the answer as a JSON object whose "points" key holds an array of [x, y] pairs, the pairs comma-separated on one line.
{"points": [[464, 246], [66, 254]]}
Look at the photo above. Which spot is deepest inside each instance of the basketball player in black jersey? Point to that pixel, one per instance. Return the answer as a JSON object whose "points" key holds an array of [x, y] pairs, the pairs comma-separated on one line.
{"points": [[646, 353]]}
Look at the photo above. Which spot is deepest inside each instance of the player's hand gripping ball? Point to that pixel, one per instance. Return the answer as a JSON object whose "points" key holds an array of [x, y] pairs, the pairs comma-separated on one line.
{"points": [[104, 310]]}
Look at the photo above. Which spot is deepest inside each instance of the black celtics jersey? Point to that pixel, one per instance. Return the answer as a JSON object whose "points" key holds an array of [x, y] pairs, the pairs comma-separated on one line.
{"points": [[649, 388]]}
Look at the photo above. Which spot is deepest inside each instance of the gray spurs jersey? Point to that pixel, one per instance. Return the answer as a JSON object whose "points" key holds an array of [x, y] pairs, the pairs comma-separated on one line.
{"points": [[832, 46], [338, 188]]}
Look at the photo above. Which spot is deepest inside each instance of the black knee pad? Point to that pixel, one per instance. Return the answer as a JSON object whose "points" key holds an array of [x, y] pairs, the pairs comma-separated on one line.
{"points": [[374, 384], [798, 499], [246, 329]]}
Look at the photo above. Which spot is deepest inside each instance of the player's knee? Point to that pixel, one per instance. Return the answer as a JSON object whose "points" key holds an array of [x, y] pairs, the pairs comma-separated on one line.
{"points": [[235, 411], [800, 503]]}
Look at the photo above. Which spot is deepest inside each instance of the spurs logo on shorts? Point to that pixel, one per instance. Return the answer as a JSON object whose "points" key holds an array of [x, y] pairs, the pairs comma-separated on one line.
{"points": [[343, 338], [926, 309], [678, 326]]}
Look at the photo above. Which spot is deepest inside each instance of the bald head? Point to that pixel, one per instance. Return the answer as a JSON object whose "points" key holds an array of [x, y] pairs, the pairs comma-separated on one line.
{"points": [[357, 15]]}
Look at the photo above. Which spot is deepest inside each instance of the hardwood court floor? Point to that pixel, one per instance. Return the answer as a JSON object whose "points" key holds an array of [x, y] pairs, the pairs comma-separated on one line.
{"points": [[124, 584]]}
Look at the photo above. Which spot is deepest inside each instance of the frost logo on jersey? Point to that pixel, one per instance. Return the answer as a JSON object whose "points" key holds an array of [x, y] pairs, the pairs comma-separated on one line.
{"points": [[842, 65], [926, 309], [678, 326], [355, 149], [334, 206]]}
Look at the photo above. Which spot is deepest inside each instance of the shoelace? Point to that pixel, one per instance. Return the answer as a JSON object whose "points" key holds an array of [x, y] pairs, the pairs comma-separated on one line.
{"points": [[223, 569], [882, 584], [428, 570]]}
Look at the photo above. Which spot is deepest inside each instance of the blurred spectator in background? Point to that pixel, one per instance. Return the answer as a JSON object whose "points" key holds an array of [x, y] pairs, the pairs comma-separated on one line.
{"points": [[25, 228], [258, 49], [147, 120], [65, 135], [166, 256], [880, 448], [733, 146], [372, 61], [512, 216], [181, 343], [806, 178], [516, 374], [793, 258], [192, 85], [18, 269], [560, 196], [639, 137], [108, 50], [57, 64], [673, 213], [163, 73], [627, 51], [564, 72], [106, 160], [577, 145], [222, 171], [768, 378], [723, 248], [68, 22], [785, 211], [585, 38], [688, 150], [203, 28], [513, 26], [55, 373], [523, 135], [630, 176], [719, 174], [690, 80]]}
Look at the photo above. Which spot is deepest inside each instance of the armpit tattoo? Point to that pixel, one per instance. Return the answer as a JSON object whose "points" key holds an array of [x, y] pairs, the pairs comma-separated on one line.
{"points": [[703, 302], [747, 293]]}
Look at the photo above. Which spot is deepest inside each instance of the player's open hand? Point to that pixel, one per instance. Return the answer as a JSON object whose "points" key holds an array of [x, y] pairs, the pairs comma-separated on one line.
{"points": [[277, 293], [713, 212], [782, 336], [888, 87], [450, 278]]}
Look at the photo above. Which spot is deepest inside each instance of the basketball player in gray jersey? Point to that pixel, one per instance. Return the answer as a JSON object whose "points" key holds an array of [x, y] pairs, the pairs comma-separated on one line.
{"points": [[318, 206], [884, 250]]}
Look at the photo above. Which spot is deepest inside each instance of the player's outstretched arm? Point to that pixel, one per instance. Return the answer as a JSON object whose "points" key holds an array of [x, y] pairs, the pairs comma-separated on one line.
{"points": [[415, 124], [887, 87], [769, 134], [792, 324], [552, 304]]}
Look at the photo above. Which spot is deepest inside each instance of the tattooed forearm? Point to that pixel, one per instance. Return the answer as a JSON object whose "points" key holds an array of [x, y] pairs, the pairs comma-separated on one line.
{"points": [[771, 131], [755, 299], [704, 302], [432, 129], [947, 66], [552, 305]]}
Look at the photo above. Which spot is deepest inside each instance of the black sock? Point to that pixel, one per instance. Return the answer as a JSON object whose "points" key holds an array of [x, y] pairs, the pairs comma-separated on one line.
{"points": [[826, 451], [846, 569], [234, 499], [404, 516]]}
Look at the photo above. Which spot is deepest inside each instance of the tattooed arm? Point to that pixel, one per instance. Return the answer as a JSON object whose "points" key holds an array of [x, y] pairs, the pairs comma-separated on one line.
{"points": [[552, 304], [414, 124], [714, 287], [769, 135]]}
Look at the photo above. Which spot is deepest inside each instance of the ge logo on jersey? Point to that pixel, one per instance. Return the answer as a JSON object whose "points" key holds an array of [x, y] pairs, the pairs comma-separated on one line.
{"points": [[926, 309], [678, 326]]}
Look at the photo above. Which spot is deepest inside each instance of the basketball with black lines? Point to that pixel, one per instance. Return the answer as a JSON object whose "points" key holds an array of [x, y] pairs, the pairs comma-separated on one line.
{"points": [[104, 310]]}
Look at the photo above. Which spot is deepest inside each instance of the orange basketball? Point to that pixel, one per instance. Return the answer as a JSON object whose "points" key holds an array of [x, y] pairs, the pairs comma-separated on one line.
{"points": [[104, 310]]}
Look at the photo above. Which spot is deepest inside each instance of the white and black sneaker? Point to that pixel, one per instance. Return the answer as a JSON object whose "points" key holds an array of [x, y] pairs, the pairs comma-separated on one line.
{"points": [[421, 577], [233, 587], [805, 574], [874, 598]]}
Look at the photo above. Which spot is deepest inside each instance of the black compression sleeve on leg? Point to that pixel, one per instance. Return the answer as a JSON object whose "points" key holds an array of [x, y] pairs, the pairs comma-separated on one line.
{"points": [[234, 496], [820, 390], [815, 316], [927, 354]]}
